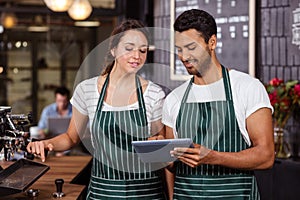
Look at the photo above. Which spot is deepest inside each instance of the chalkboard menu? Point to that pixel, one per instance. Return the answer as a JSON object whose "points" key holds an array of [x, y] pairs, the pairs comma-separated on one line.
{"points": [[232, 18]]}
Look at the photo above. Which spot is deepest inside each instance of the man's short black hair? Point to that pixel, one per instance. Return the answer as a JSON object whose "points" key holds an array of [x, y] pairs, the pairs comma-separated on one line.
{"points": [[63, 91], [200, 20]]}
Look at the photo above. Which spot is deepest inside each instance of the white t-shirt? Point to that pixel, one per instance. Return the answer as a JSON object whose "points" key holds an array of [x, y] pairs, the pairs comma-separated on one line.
{"points": [[85, 99], [248, 95]]}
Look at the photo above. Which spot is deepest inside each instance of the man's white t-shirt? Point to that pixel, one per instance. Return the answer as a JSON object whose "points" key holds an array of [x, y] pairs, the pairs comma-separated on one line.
{"points": [[248, 95]]}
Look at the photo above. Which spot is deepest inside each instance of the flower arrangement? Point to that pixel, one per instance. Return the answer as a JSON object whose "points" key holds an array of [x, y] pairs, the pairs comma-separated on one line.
{"points": [[285, 99]]}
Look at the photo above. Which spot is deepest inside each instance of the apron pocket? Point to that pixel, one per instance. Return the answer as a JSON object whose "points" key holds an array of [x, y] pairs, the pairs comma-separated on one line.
{"points": [[237, 187], [101, 188]]}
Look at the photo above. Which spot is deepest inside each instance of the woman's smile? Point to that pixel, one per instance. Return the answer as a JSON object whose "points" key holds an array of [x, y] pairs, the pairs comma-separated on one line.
{"points": [[134, 64]]}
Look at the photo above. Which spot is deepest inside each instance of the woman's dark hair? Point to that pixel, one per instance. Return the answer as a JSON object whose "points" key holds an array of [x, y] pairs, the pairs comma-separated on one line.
{"points": [[116, 36], [200, 20]]}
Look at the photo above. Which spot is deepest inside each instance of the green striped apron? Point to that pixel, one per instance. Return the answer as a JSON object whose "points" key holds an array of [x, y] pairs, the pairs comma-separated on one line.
{"points": [[214, 125], [117, 172]]}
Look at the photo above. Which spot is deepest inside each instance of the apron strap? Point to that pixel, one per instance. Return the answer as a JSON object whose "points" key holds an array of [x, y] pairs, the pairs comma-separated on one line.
{"points": [[102, 93], [187, 91], [139, 92], [226, 82], [184, 98], [227, 86]]}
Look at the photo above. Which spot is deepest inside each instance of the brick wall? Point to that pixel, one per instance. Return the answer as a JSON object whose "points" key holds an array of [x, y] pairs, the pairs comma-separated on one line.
{"points": [[276, 55]]}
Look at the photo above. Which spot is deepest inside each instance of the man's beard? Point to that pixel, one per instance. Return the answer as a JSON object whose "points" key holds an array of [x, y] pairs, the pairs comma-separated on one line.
{"points": [[199, 69]]}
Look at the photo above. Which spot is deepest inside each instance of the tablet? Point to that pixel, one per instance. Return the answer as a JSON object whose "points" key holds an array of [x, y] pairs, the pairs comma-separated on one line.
{"points": [[153, 151]]}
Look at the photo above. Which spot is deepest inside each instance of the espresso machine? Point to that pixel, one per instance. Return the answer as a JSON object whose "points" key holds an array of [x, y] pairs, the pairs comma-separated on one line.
{"points": [[14, 134], [23, 171]]}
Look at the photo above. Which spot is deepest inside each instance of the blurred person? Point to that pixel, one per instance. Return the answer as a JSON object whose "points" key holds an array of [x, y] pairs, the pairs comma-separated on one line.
{"points": [[61, 108], [227, 113], [120, 107]]}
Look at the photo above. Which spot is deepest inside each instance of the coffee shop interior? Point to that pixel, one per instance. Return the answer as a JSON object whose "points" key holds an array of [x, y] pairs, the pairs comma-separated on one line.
{"points": [[43, 47]]}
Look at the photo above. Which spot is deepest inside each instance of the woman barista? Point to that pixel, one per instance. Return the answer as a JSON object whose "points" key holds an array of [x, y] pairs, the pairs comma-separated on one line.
{"points": [[121, 107]]}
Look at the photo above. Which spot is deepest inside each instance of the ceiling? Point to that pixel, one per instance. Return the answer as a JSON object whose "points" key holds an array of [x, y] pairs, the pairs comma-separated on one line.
{"points": [[28, 11], [108, 4]]}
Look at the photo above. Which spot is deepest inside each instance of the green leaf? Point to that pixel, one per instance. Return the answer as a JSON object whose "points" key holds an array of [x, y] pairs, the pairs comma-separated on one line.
{"points": [[291, 84]]}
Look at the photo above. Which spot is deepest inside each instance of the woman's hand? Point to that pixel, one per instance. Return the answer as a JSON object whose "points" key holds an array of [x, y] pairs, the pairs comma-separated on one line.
{"points": [[192, 156], [156, 137], [38, 148]]}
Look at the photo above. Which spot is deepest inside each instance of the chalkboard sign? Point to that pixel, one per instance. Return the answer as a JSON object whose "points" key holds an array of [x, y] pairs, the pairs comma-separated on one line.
{"points": [[236, 33]]}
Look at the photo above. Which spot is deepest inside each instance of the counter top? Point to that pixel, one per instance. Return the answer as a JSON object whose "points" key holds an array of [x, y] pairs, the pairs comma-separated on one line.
{"points": [[68, 168]]}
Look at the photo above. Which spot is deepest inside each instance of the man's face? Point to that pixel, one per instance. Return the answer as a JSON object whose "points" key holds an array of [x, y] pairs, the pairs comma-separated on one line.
{"points": [[193, 51], [61, 102]]}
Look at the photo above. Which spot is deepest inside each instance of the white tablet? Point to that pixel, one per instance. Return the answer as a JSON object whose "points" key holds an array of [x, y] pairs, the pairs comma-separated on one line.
{"points": [[153, 151]]}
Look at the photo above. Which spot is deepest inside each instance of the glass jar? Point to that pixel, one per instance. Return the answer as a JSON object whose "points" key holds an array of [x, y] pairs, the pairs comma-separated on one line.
{"points": [[282, 147]]}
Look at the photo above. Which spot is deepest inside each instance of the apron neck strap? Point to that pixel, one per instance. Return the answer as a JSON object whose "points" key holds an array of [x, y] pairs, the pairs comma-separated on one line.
{"points": [[226, 82], [139, 92], [102, 93]]}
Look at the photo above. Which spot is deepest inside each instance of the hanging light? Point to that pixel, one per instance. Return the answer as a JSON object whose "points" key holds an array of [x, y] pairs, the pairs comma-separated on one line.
{"points": [[38, 25], [80, 10], [58, 5], [8, 20], [87, 23]]}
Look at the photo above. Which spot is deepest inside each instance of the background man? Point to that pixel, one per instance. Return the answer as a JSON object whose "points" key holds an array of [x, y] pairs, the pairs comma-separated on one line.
{"points": [[61, 108]]}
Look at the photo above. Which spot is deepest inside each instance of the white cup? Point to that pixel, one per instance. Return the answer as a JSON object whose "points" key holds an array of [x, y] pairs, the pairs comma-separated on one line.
{"points": [[34, 131]]}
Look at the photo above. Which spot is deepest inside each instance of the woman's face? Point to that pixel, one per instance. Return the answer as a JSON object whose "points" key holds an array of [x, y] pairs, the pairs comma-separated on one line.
{"points": [[131, 52]]}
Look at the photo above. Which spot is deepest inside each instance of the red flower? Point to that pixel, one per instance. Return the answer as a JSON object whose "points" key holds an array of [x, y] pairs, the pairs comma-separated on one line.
{"points": [[285, 99], [273, 98], [297, 90], [276, 82]]}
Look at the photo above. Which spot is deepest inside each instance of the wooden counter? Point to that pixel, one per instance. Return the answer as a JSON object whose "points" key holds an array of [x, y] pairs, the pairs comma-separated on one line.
{"points": [[67, 168]]}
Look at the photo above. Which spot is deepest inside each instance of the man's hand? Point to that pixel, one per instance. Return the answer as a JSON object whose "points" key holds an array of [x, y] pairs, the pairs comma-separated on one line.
{"points": [[156, 137], [192, 156]]}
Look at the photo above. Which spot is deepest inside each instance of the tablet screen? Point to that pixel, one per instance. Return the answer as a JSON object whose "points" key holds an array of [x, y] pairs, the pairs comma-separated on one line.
{"points": [[151, 151]]}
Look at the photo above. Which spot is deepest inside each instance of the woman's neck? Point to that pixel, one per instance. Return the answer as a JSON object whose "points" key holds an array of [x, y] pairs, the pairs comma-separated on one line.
{"points": [[119, 78], [121, 89]]}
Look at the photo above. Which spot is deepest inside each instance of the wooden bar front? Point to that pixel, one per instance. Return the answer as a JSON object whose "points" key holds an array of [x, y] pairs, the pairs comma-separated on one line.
{"points": [[67, 168]]}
